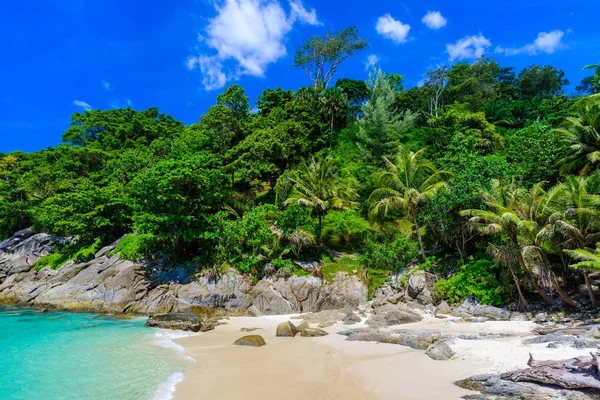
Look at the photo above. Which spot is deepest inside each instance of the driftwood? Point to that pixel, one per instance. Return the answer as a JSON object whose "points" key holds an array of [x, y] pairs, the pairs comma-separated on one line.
{"points": [[574, 373], [571, 363]]}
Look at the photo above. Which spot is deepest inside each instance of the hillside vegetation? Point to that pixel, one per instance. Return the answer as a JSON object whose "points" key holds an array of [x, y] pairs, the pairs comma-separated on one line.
{"points": [[486, 176]]}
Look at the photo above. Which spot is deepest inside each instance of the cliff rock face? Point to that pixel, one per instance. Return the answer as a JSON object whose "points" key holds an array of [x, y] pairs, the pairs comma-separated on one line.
{"points": [[109, 284]]}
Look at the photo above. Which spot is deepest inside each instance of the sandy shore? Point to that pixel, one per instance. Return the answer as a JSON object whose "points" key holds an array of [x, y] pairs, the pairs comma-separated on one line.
{"points": [[330, 368]]}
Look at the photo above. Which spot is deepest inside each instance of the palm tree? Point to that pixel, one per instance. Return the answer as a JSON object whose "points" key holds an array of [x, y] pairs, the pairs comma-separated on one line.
{"points": [[318, 186], [405, 186], [588, 261], [333, 101], [577, 224], [582, 135], [515, 213]]}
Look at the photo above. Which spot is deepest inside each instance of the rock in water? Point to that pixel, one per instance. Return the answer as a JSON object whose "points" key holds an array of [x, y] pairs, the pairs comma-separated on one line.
{"points": [[286, 329], [250, 340], [179, 321], [440, 351]]}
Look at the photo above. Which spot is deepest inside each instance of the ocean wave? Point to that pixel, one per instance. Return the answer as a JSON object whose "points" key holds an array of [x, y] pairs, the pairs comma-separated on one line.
{"points": [[166, 389], [165, 338]]}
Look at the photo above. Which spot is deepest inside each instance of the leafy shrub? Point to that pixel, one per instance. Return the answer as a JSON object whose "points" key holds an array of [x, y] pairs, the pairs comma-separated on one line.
{"points": [[135, 246], [388, 254], [88, 253], [480, 278], [344, 230], [71, 251], [54, 260]]}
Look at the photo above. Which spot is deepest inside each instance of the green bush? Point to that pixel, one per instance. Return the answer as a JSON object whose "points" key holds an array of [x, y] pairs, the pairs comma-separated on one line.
{"points": [[388, 254], [87, 253], [54, 260], [480, 278], [134, 246], [344, 230]]}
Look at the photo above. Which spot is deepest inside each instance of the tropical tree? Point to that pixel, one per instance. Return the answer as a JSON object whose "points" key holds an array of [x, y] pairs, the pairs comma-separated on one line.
{"points": [[588, 262], [381, 127], [590, 84], [405, 186], [320, 56], [582, 136], [512, 213], [318, 185], [333, 100], [576, 223]]}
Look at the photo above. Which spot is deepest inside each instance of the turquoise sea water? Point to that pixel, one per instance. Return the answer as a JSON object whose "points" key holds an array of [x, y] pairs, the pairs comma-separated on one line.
{"points": [[58, 355]]}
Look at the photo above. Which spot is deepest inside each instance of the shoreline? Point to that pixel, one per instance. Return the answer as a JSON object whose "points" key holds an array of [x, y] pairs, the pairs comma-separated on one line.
{"points": [[332, 368]]}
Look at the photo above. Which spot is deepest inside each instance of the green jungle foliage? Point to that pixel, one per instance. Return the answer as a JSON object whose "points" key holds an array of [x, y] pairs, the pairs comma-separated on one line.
{"points": [[480, 159]]}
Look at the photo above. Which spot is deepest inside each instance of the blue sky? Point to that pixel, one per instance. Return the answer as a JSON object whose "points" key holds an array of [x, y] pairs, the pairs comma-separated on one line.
{"points": [[62, 56]]}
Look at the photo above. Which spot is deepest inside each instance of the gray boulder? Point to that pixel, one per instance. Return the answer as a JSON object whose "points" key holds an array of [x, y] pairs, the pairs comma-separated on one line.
{"points": [[390, 315], [440, 351], [421, 286], [472, 308]]}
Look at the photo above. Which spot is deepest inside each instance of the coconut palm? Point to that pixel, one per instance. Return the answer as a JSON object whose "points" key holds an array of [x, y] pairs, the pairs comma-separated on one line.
{"points": [[589, 261], [405, 186], [582, 136], [319, 186], [515, 212], [577, 224]]}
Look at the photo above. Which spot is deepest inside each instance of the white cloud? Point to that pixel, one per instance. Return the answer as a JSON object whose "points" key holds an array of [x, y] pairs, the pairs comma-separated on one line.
{"points": [[302, 14], [468, 47], [107, 85], [546, 42], [372, 60], [247, 35], [83, 104], [392, 29], [434, 20]]}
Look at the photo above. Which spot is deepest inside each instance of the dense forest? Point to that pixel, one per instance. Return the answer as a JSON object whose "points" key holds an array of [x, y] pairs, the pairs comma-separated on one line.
{"points": [[484, 175]]}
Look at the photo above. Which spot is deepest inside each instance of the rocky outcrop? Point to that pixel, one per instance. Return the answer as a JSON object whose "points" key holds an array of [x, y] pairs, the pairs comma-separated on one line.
{"points": [[110, 284], [181, 321]]}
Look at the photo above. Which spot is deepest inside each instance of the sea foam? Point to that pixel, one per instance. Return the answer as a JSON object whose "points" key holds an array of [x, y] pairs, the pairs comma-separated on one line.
{"points": [[166, 389], [165, 338]]}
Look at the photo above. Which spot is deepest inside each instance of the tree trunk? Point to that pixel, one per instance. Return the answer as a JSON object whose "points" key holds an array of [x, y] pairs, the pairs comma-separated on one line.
{"points": [[319, 232], [523, 304], [420, 238], [588, 285], [331, 132], [547, 299], [563, 295]]}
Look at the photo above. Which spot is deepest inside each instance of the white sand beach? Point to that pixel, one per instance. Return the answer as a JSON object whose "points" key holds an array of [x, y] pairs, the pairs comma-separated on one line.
{"points": [[329, 368]]}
